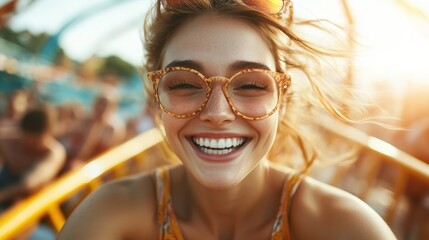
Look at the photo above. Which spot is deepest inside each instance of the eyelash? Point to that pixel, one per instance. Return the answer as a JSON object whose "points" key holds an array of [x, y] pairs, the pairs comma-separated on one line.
{"points": [[253, 85], [182, 85]]}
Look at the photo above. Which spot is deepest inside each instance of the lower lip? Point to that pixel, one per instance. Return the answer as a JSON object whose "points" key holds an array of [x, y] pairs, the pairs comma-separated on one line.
{"points": [[228, 157]]}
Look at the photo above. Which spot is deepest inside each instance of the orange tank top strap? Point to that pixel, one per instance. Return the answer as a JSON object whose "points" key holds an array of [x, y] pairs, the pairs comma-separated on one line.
{"points": [[169, 229], [281, 230]]}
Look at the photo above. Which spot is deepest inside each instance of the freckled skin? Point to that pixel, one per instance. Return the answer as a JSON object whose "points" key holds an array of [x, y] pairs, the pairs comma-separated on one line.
{"points": [[199, 41]]}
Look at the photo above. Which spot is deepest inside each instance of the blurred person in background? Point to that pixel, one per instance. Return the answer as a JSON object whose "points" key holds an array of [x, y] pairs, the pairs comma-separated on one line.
{"points": [[101, 130], [67, 119], [17, 105], [29, 160]]}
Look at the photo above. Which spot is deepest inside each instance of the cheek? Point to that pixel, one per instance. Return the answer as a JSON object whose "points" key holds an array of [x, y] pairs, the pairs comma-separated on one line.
{"points": [[170, 123], [267, 129], [173, 127]]}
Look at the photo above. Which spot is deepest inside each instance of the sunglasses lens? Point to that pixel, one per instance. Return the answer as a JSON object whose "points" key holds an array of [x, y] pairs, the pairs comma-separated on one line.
{"points": [[266, 6], [254, 94], [182, 92]]}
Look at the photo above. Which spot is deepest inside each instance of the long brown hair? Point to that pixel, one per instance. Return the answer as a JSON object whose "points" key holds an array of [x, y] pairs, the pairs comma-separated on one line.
{"points": [[292, 53]]}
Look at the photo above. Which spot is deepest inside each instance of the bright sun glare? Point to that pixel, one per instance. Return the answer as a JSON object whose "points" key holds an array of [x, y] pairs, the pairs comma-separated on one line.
{"points": [[397, 41]]}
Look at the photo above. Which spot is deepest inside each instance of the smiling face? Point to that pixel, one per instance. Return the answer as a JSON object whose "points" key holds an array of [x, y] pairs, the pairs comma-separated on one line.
{"points": [[218, 147]]}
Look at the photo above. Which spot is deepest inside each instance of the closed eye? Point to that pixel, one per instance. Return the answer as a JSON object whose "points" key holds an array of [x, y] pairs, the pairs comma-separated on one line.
{"points": [[252, 86], [184, 85]]}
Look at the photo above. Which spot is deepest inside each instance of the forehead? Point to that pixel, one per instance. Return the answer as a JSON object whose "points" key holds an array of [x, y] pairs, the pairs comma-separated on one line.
{"points": [[217, 42]]}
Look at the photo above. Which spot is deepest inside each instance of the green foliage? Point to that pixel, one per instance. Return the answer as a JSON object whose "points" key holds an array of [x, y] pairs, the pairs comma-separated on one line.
{"points": [[33, 43], [25, 39], [114, 65]]}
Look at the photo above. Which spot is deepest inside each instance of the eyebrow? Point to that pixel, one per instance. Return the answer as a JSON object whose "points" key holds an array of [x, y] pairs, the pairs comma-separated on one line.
{"points": [[185, 63], [235, 67], [241, 65]]}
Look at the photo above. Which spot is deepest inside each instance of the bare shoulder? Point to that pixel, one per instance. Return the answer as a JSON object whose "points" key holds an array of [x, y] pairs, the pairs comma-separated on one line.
{"points": [[332, 213], [124, 209], [56, 148], [8, 139], [7, 133], [9, 145]]}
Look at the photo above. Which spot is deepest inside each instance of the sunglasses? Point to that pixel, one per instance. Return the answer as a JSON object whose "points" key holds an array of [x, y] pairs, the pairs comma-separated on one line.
{"points": [[270, 7], [253, 94]]}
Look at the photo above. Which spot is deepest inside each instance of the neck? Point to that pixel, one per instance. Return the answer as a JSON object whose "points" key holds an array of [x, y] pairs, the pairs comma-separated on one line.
{"points": [[225, 210]]}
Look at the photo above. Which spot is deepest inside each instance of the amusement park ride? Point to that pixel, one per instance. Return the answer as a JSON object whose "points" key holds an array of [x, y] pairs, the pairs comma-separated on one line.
{"points": [[115, 162]]}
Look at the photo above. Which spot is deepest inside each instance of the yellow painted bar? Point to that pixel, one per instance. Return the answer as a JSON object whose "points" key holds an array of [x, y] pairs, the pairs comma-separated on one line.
{"points": [[393, 155], [56, 217]]}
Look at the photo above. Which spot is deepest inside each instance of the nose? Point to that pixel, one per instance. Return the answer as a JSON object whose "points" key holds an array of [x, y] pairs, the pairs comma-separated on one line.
{"points": [[217, 110]]}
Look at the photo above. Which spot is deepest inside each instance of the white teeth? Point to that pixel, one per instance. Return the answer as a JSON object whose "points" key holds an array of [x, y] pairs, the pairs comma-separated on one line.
{"points": [[218, 146], [213, 143], [228, 143], [221, 143], [216, 152], [206, 143]]}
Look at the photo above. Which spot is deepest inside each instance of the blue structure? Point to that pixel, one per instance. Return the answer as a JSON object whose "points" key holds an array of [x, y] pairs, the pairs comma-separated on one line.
{"points": [[50, 48], [65, 89]]}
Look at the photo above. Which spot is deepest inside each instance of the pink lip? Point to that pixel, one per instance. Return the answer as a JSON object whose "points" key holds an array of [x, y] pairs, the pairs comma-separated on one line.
{"points": [[229, 157]]}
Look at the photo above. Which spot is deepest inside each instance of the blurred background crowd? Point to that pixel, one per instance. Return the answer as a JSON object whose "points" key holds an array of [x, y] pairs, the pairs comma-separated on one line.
{"points": [[70, 85]]}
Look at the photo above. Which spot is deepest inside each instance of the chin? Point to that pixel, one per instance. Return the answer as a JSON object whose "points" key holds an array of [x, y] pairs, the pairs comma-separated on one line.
{"points": [[215, 180]]}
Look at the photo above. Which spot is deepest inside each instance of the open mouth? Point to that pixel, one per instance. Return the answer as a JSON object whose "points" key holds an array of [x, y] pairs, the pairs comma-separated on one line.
{"points": [[219, 146]]}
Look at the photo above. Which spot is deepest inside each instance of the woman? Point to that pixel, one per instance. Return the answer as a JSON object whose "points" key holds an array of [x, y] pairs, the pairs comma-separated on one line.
{"points": [[217, 70]]}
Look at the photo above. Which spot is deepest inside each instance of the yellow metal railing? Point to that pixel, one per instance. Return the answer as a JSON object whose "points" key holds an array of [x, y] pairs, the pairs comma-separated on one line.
{"points": [[390, 153], [46, 203], [406, 165]]}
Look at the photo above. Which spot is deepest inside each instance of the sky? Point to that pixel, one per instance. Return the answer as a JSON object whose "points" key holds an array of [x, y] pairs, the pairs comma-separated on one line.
{"points": [[393, 43], [114, 30]]}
